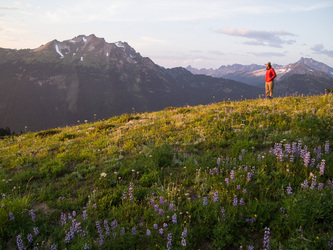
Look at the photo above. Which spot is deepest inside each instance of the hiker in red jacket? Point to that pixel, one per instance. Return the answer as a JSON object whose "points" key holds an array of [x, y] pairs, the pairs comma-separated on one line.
{"points": [[270, 75]]}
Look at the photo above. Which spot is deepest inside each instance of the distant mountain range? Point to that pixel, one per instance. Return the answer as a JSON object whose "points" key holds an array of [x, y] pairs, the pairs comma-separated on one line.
{"points": [[307, 69], [86, 78]]}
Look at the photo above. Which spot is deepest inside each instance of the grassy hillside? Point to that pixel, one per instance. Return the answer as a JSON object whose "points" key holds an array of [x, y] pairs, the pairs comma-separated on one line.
{"points": [[253, 174]]}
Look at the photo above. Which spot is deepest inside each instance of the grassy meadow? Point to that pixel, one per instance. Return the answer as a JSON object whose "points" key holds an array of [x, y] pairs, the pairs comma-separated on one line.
{"points": [[253, 174]]}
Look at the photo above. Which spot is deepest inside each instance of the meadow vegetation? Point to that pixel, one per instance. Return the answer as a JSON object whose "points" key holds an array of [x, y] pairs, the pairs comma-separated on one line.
{"points": [[254, 174]]}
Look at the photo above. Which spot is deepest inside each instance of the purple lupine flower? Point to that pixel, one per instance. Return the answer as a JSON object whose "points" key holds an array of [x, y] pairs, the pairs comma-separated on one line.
{"points": [[122, 231], [130, 191], [183, 236], [320, 186], [152, 202], [74, 214], [282, 209], [165, 225], [101, 239], [277, 149], [161, 200], [32, 214], [114, 224], [53, 247], [330, 243], [169, 238], [291, 158], [249, 174], [106, 227], [205, 203], [307, 158], [238, 187], [287, 148], [156, 207], [148, 232], [232, 175], [227, 181], [71, 233], [218, 161], [36, 232], [216, 170], [11, 216], [124, 195], [251, 248], [318, 152], [314, 181], [289, 190], [211, 172], [313, 161], [29, 238], [278, 152], [240, 158], [235, 202], [259, 157], [294, 148], [327, 147], [216, 197], [241, 202], [63, 219], [266, 238], [161, 231], [85, 215], [244, 191], [299, 146], [223, 213], [184, 233], [133, 230], [98, 227], [322, 167], [305, 184], [183, 242], [252, 220], [19, 242], [160, 212], [155, 226], [174, 219], [86, 247], [114, 235], [171, 207]]}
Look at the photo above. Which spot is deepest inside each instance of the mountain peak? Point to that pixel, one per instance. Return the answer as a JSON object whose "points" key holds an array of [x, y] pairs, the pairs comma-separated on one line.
{"points": [[86, 50]]}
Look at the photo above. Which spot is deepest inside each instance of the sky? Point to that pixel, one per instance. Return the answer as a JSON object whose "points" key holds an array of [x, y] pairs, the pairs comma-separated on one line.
{"points": [[173, 33]]}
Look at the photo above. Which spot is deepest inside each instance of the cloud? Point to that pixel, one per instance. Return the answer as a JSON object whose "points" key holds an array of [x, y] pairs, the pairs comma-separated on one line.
{"points": [[320, 49], [260, 38], [311, 7], [9, 8], [268, 54]]}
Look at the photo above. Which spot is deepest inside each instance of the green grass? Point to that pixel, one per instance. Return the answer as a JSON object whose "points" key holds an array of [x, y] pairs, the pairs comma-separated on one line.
{"points": [[143, 170]]}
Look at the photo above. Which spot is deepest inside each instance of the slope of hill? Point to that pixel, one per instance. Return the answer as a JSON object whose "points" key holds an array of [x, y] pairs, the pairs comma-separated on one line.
{"points": [[86, 78], [228, 175]]}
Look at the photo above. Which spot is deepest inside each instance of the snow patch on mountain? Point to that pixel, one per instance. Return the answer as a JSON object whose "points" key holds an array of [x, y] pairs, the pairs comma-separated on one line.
{"points": [[119, 45], [58, 51]]}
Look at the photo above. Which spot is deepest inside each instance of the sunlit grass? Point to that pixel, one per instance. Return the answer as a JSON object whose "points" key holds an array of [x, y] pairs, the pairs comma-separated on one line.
{"points": [[213, 176]]}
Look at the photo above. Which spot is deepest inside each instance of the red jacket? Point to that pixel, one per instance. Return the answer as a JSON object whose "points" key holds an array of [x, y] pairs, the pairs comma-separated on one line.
{"points": [[270, 75]]}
